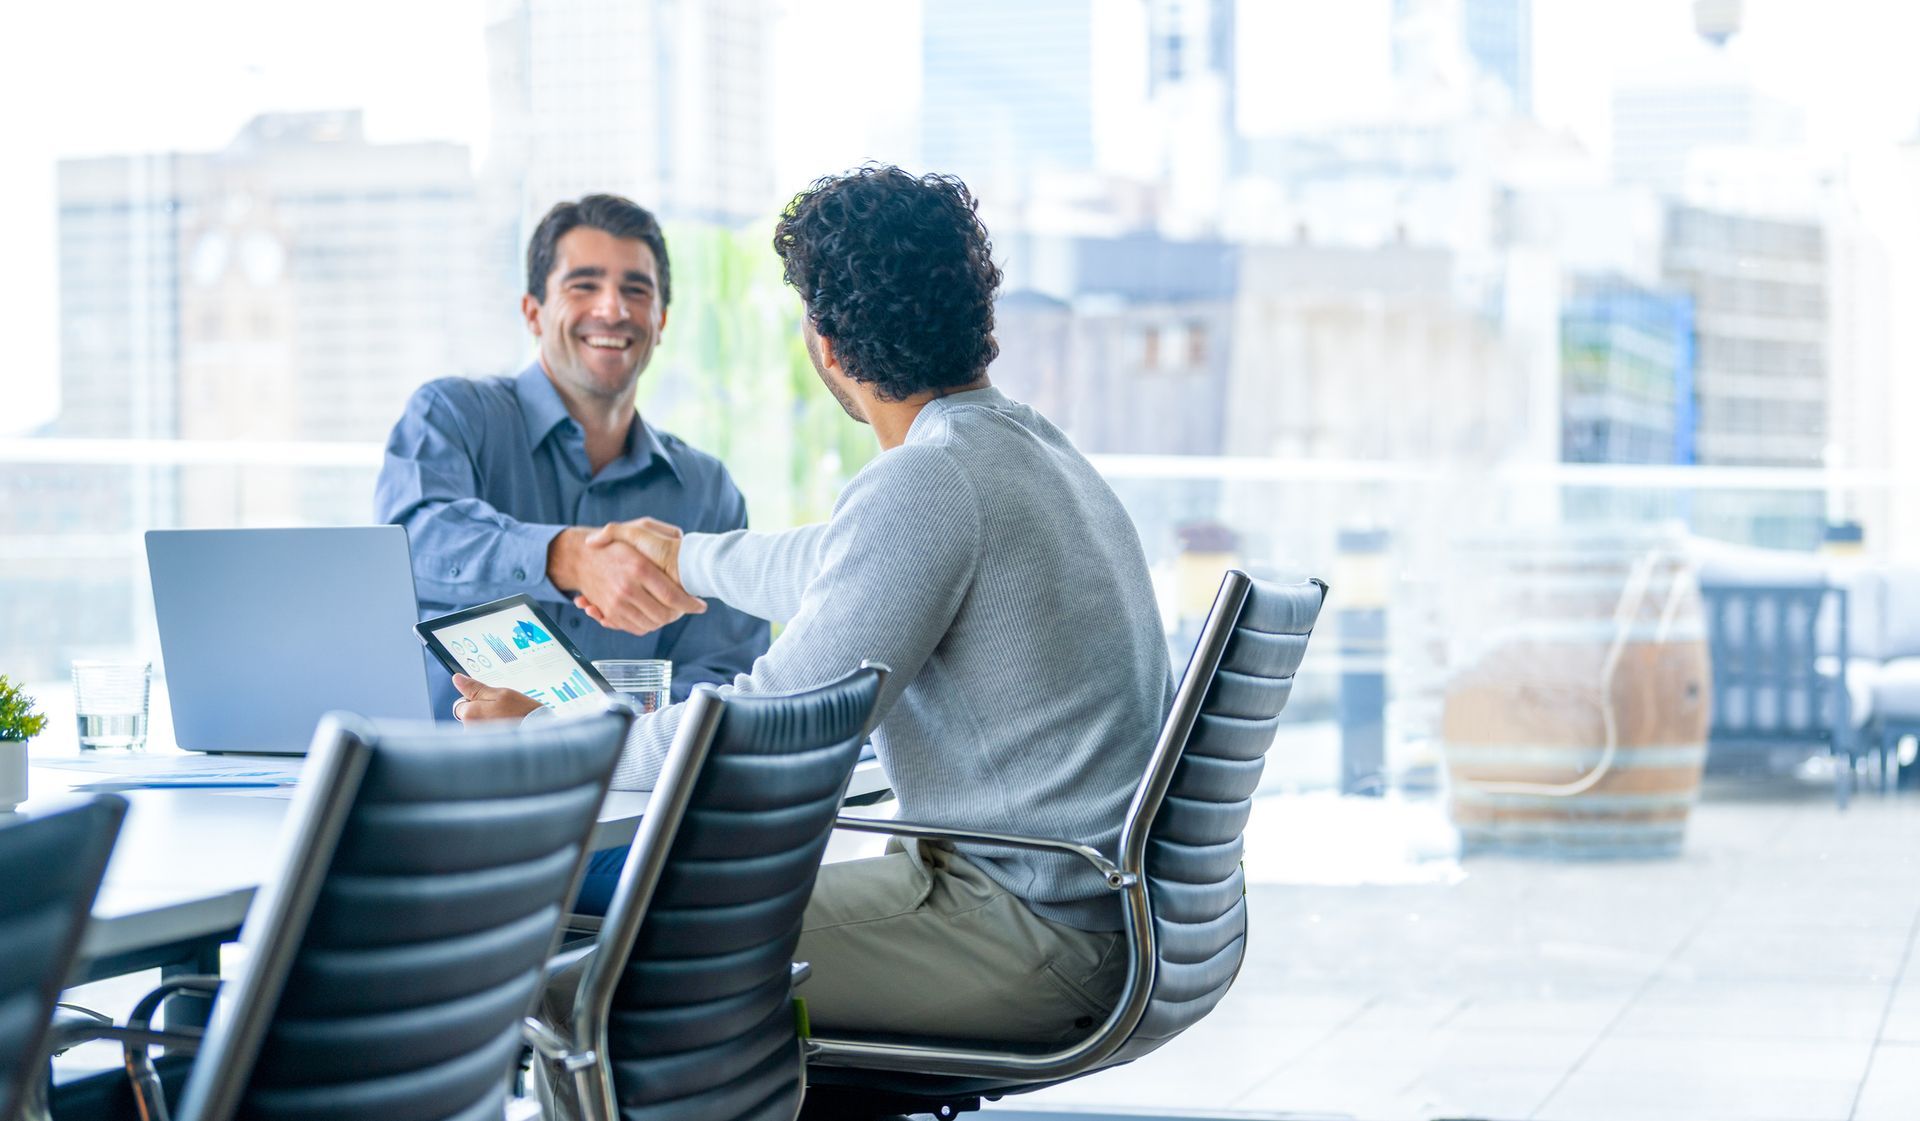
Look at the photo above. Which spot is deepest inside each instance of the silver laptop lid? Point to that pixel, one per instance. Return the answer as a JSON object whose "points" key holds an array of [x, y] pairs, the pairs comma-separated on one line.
{"points": [[262, 630]]}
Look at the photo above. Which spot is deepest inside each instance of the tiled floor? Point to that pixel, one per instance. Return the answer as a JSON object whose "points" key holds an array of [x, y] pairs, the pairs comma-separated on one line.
{"points": [[1766, 973]]}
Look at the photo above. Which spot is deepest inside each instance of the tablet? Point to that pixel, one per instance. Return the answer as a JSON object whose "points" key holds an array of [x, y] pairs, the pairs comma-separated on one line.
{"points": [[512, 644]]}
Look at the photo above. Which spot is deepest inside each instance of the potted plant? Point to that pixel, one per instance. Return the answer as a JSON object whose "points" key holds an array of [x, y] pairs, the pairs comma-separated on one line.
{"points": [[18, 724]]}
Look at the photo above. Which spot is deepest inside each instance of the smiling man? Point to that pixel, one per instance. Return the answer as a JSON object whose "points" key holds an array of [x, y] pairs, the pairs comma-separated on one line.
{"points": [[500, 481]]}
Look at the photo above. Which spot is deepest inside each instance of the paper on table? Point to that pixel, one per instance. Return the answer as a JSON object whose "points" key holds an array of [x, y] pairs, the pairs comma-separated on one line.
{"points": [[284, 793], [180, 768], [202, 781]]}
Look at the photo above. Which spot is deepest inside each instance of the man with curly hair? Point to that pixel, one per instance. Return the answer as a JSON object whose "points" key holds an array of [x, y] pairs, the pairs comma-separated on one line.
{"points": [[982, 558]]}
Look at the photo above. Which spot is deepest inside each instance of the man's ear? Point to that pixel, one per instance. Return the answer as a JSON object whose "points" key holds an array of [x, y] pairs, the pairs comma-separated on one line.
{"points": [[663, 318], [530, 311], [828, 360]]}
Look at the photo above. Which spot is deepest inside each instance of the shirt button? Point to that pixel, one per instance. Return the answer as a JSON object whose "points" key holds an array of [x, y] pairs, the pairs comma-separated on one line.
{"points": [[455, 570], [519, 574], [574, 622]]}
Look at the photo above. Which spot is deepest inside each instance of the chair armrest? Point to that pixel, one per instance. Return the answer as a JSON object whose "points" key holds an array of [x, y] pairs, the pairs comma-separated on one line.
{"points": [[1115, 878], [136, 1037]]}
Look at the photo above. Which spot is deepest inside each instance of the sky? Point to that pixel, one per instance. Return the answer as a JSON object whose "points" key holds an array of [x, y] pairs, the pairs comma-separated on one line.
{"points": [[133, 75]]}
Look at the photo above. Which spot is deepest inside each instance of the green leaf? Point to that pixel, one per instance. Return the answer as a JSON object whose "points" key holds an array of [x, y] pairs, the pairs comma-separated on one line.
{"points": [[18, 721]]}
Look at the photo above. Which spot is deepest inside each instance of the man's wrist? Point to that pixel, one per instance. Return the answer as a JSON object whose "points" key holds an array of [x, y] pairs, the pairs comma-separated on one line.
{"points": [[563, 558]]}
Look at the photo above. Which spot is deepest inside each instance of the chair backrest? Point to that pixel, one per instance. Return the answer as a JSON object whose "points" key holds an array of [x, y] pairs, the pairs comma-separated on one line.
{"points": [[688, 996], [50, 868], [1765, 643], [1183, 831], [392, 959]]}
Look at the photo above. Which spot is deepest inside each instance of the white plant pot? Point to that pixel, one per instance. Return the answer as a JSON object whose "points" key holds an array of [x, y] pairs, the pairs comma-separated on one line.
{"points": [[13, 774]]}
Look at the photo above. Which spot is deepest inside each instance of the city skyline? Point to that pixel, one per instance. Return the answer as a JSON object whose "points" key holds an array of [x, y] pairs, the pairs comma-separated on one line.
{"points": [[451, 109]]}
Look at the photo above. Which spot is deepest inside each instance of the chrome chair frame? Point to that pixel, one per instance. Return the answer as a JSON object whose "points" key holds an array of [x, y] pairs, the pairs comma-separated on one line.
{"points": [[1127, 876], [585, 1052], [281, 910], [22, 1088]]}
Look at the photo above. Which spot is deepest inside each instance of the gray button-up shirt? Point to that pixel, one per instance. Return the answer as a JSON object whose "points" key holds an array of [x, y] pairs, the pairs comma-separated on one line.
{"points": [[484, 472]]}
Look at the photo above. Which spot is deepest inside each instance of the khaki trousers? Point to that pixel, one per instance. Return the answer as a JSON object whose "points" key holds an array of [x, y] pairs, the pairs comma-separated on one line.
{"points": [[922, 942]]}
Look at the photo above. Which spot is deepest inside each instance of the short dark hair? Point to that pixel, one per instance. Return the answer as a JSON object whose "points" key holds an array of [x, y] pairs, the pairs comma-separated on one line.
{"points": [[898, 272], [618, 216]]}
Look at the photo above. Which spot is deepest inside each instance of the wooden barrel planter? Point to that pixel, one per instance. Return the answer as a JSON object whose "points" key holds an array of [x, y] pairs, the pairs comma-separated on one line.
{"points": [[1576, 726]]}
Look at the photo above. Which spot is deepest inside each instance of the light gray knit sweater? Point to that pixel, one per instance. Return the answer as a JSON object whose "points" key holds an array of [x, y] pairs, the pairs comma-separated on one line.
{"points": [[988, 564]]}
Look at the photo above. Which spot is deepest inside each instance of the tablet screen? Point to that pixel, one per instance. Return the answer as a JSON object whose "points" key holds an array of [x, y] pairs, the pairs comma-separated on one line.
{"points": [[511, 644]]}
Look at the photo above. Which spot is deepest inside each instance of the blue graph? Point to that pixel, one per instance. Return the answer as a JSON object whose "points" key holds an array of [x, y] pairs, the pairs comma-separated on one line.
{"points": [[573, 688], [525, 634], [506, 653]]}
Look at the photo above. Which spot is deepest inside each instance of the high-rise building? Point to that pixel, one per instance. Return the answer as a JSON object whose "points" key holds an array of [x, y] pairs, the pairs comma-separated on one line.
{"points": [[1499, 39], [297, 284], [1626, 368], [119, 244], [1347, 353], [666, 101], [1759, 289], [1007, 89], [1661, 118], [1441, 43], [1123, 341], [1761, 339]]}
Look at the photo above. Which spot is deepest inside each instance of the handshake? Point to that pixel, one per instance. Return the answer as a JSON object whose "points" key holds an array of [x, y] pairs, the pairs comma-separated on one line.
{"points": [[624, 575]]}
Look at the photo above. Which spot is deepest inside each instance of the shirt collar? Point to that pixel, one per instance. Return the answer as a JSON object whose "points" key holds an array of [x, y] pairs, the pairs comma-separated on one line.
{"points": [[540, 405], [542, 410]]}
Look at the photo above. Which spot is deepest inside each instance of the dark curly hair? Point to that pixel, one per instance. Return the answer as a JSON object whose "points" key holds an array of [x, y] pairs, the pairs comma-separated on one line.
{"points": [[618, 216], [898, 272]]}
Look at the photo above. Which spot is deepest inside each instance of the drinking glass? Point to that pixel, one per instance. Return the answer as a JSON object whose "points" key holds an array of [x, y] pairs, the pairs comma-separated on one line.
{"points": [[647, 682], [110, 703]]}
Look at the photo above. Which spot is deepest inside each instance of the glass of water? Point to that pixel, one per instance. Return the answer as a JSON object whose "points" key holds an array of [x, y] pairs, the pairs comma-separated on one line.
{"points": [[110, 703], [647, 682]]}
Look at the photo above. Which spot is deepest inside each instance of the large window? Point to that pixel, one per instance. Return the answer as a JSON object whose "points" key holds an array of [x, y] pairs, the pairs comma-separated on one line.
{"points": [[1517, 320]]}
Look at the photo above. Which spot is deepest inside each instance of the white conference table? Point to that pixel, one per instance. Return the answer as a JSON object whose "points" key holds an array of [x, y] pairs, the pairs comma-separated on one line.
{"points": [[187, 861]]}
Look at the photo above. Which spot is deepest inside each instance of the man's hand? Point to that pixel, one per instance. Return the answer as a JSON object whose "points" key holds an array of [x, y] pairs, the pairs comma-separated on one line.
{"points": [[655, 540], [617, 585], [479, 702]]}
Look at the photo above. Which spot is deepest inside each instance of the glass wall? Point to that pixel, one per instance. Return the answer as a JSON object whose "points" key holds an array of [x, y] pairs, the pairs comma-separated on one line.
{"points": [[1526, 324]]}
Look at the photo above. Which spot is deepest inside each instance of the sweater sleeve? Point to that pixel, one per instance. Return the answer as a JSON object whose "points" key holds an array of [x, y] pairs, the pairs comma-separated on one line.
{"points": [[894, 564], [762, 574]]}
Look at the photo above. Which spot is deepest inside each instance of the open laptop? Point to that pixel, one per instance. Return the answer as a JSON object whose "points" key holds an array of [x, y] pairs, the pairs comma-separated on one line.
{"points": [[263, 630]]}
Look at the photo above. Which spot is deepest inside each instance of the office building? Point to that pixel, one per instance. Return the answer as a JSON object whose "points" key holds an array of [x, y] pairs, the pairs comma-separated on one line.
{"points": [[1761, 339], [1007, 90], [1759, 289], [119, 244], [1499, 39], [1123, 341], [1326, 335], [1626, 369], [666, 101], [1663, 117], [297, 284]]}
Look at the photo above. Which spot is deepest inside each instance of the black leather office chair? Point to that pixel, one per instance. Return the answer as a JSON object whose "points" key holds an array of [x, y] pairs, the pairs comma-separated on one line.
{"points": [[1177, 871], [51, 862], [391, 962], [684, 1009]]}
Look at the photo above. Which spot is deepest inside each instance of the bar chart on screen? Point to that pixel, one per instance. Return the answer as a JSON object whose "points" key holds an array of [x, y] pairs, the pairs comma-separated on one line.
{"points": [[512, 649]]}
